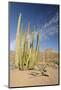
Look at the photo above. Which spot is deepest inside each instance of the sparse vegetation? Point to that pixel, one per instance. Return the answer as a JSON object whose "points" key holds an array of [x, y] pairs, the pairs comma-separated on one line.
{"points": [[26, 56]]}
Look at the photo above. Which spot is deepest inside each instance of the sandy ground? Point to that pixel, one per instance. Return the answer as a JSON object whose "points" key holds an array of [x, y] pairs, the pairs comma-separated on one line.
{"points": [[20, 78]]}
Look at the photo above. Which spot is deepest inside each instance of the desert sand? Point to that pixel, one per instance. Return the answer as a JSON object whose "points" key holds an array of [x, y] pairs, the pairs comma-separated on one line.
{"points": [[20, 78]]}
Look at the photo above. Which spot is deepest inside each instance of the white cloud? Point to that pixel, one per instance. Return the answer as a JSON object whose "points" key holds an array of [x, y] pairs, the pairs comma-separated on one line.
{"points": [[51, 27], [53, 20], [12, 45]]}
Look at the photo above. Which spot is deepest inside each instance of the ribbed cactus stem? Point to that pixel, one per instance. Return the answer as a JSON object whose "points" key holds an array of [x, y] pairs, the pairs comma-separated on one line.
{"points": [[37, 49], [37, 44], [17, 56], [32, 40]]}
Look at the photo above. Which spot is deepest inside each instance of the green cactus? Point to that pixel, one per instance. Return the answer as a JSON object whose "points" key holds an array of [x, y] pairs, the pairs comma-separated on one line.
{"points": [[26, 55], [17, 56]]}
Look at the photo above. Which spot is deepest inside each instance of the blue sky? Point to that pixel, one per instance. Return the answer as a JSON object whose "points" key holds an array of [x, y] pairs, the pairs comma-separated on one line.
{"points": [[43, 18]]}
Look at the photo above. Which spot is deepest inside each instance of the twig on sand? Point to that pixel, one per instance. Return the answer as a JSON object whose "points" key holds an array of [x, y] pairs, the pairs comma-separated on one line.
{"points": [[34, 73], [43, 74], [40, 71], [39, 74]]}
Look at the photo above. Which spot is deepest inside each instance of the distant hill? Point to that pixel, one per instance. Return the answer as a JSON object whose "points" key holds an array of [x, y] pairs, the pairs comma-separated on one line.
{"points": [[50, 56]]}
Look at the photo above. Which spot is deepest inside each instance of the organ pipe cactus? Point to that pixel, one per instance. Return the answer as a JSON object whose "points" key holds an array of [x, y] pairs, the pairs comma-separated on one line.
{"points": [[37, 44], [26, 55], [17, 56], [37, 48]]}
